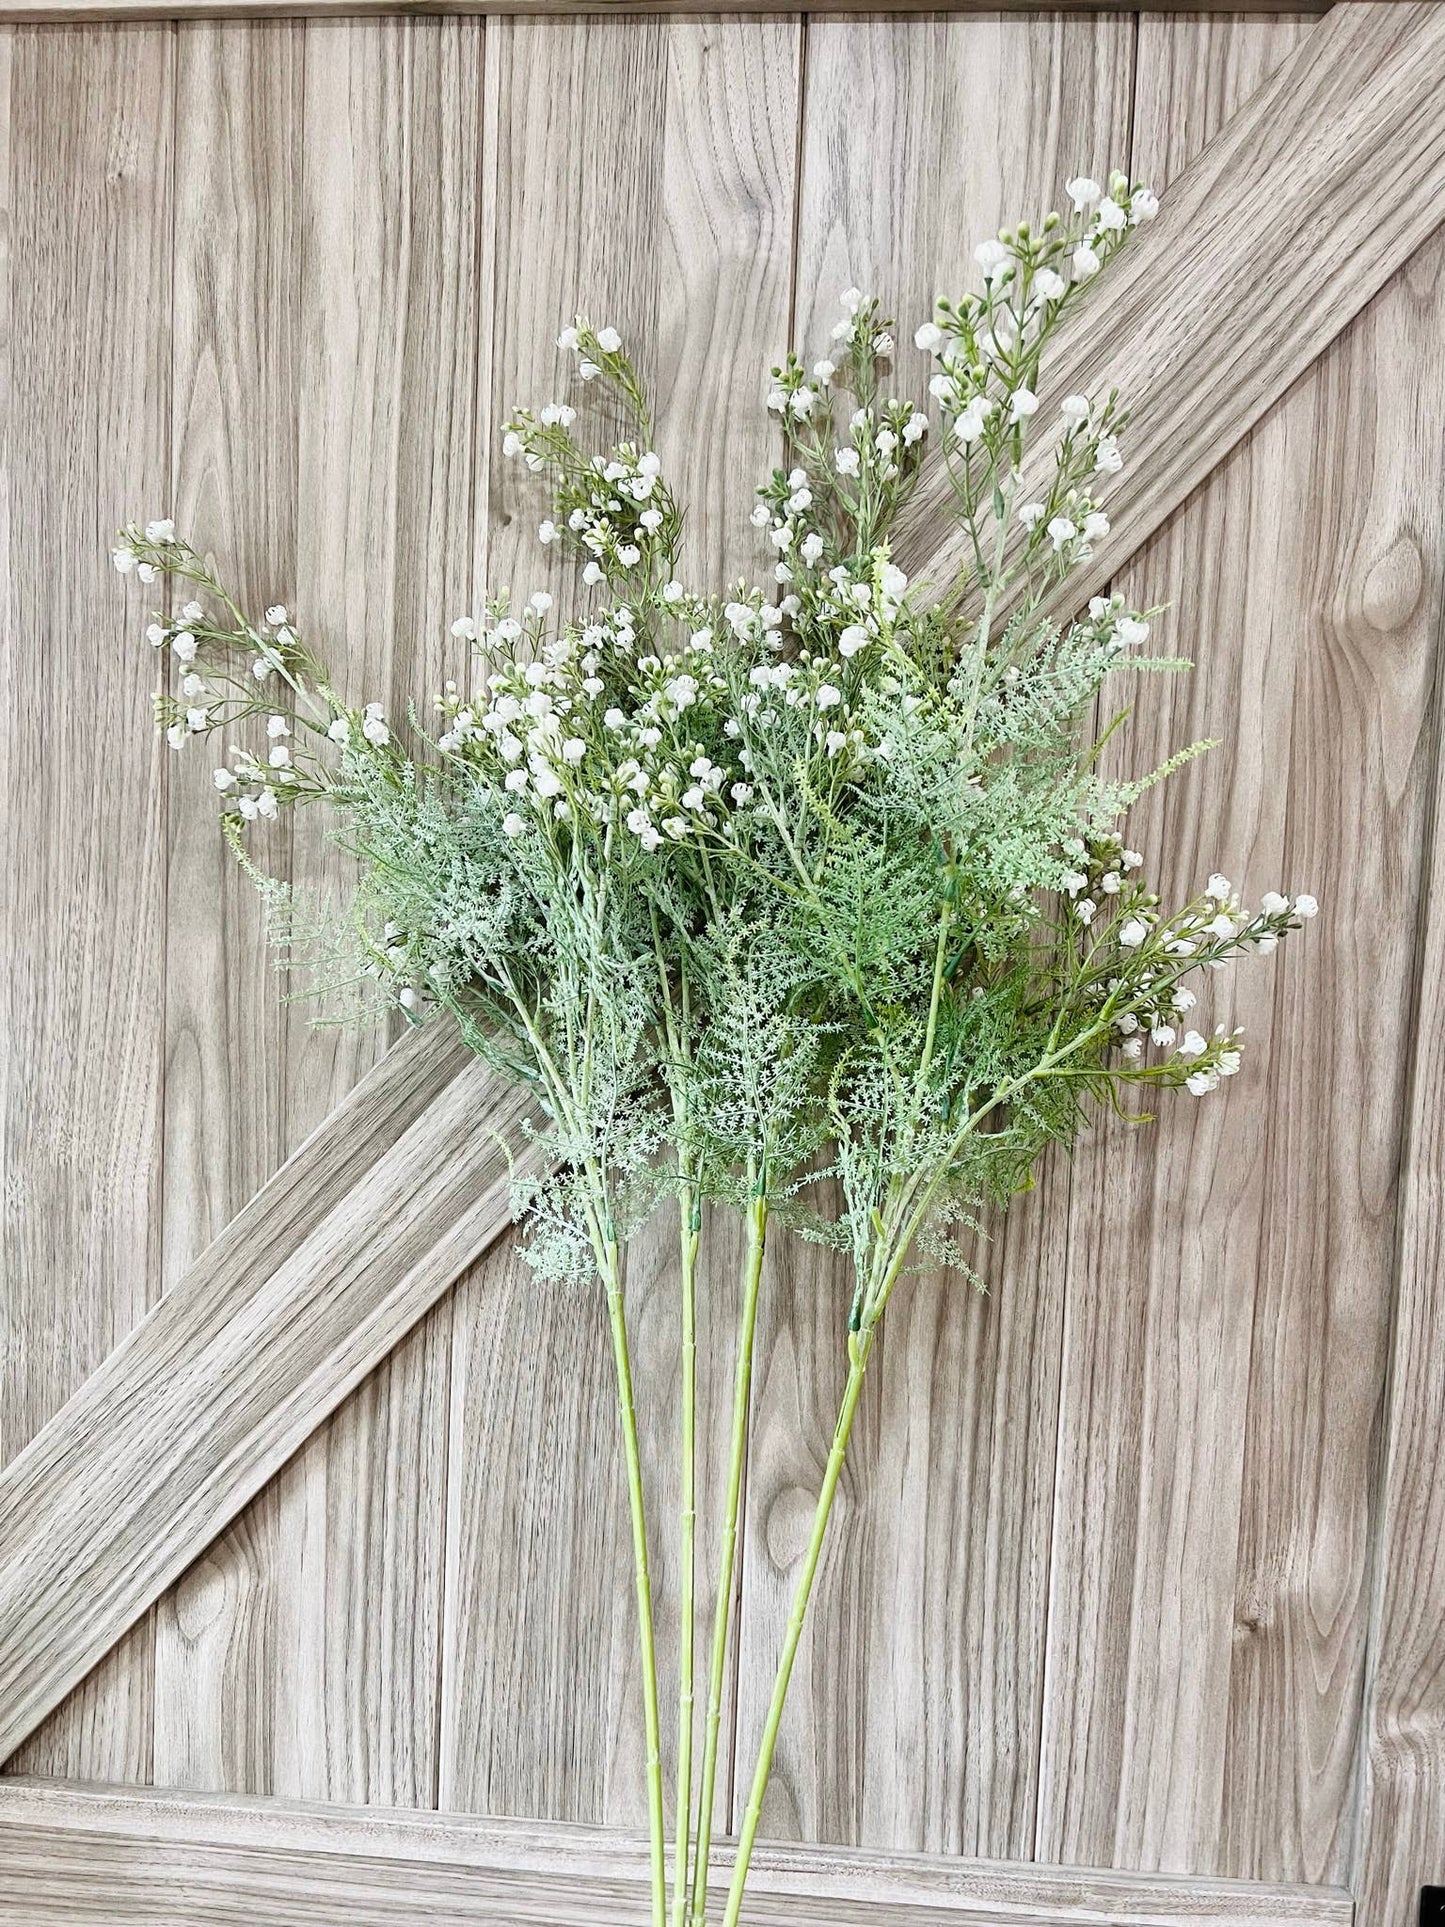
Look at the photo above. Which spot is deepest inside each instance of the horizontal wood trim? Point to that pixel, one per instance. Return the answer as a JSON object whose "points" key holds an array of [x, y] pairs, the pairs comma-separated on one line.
{"points": [[39, 12], [130, 1857], [1300, 210], [308, 1289]]}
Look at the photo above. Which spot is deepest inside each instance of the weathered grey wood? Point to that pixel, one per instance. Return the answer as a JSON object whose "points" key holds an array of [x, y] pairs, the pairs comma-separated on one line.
{"points": [[1399, 1843], [234, 361], [85, 181], [111, 1857], [644, 172], [1278, 234], [305, 1292], [914, 1713], [335, 165], [391, 210], [102, 10], [1229, 1296]]}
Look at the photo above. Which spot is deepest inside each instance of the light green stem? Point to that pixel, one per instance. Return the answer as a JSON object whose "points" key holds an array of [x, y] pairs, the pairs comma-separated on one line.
{"points": [[647, 1640], [907, 1214], [691, 1229], [742, 1400], [858, 1357]]}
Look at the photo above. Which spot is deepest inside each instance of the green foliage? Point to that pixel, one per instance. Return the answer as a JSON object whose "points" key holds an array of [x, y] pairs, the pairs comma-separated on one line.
{"points": [[752, 892]]}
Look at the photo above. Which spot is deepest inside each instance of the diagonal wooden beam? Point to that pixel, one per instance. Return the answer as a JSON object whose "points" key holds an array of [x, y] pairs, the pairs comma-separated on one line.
{"points": [[1306, 203], [1264, 249], [322, 1274], [129, 1857]]}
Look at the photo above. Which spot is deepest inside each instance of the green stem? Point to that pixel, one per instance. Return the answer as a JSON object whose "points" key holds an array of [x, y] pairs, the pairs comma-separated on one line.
{"points": [[691, 1228], [646, 1636], [742, 1399], [858, 1349]]}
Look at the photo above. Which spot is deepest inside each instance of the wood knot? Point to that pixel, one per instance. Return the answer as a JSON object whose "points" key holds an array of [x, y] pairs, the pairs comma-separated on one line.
{"points": [[1393, 586]]}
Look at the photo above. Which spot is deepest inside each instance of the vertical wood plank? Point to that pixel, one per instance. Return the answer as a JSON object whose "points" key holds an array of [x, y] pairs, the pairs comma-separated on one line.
{"points": [[642, 171], [302, 1655], [916, 1700], [89, 125], [1230, 1285], [387, 436], [1400, 1839], [235, 360]]}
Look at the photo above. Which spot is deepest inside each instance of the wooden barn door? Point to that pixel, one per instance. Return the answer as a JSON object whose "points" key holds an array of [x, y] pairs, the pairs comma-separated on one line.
{"points": [[321, 1574]]}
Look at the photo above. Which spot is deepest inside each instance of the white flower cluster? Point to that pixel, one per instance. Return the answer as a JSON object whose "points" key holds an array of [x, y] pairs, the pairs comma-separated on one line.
{"points": [[129, 557], [856, 461], [594, 725], [615, 510], [988, 348], [1143, 955]]}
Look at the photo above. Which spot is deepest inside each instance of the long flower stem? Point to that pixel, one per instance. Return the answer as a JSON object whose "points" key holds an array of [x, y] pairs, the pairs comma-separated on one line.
{"points": [[742, 1401], [647, 1640], [847, 1411], [691, 1229]]}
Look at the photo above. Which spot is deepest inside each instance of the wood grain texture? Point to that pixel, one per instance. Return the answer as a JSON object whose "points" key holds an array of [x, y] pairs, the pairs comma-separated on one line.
{"points": [[1231, 1275], [234, 360], [1270, 242], [334, 166], [300, 1297], [86, 186], [598, 136], [915, 1708], [111, 10], [1400, 1837], [109, 1857]]}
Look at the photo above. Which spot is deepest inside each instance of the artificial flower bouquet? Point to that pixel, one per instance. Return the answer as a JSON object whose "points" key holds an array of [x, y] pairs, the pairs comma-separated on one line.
{"points": [[818, 879]]}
